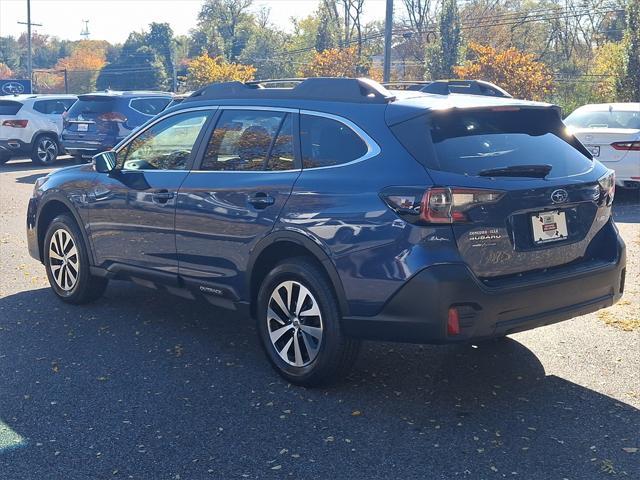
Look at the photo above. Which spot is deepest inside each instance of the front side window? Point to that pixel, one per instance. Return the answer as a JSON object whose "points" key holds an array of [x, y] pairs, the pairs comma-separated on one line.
{"points": [[251, 140], [167, 145], [326, 142]]}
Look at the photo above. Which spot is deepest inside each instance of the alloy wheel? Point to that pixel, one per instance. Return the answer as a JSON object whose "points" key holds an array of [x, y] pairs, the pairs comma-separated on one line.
{"points": [[63, 260], [47, 150], [294, 323]]}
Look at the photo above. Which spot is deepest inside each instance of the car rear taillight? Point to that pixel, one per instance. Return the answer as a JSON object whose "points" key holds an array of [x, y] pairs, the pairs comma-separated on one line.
{"points": [[607, 187], [453, 322], [15, 123], [627, 146], [112, 117], [438, 204]]}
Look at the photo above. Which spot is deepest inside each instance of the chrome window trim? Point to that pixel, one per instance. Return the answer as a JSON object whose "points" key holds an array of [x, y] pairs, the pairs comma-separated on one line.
{"points": [[373, 149]]}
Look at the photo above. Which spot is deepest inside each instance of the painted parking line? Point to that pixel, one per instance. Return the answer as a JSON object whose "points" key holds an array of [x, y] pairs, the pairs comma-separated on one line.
{"points": [[8, 438]]}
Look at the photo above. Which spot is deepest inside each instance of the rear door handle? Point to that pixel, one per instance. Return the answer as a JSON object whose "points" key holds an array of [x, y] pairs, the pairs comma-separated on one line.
{"points": [[163, 196], [261, 200]]}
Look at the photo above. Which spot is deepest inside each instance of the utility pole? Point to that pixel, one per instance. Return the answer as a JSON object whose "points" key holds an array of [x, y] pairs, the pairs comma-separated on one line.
{"points": [[84, 33], [388, 29], [29, 53]]}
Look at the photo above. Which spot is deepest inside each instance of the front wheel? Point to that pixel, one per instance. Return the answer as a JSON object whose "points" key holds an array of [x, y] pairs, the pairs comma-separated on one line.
{"points": [[45, 150], [299, 325], [67, 263]]}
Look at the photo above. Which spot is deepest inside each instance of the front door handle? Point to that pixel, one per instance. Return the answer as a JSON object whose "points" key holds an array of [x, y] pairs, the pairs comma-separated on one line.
{"points": [[261, 200], [163, 196]]}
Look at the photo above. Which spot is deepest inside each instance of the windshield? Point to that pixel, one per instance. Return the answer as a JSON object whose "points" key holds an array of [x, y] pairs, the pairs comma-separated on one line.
{"points": [[472, 142], [604, 119]]}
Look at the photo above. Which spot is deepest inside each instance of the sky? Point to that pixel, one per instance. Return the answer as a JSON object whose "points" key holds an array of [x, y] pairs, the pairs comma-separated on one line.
{"points": [[113, 20]]}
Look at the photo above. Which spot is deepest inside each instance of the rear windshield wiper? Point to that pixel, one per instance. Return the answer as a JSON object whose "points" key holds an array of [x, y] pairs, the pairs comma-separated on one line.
{"points": [[533, 171]]}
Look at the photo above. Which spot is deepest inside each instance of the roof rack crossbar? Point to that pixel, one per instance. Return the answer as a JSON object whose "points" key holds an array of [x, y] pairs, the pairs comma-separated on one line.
{"points": [[339, 89]]}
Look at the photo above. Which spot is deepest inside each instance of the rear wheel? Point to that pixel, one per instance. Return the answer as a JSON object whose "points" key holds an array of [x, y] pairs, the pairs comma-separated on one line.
{"points": [[45, 150], [299, 325], [67, 263]]}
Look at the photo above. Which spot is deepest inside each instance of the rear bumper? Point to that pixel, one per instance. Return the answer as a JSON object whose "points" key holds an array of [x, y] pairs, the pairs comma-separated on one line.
{"points": [[418, 312], [87, 147]]}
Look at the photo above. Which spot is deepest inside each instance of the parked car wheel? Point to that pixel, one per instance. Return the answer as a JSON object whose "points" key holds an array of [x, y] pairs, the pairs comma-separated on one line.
{"points": [[67, 263], [4, 158], [299, 324], [45, 150]]}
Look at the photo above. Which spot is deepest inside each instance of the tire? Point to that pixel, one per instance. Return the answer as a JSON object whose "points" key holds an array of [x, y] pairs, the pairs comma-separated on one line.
{"points": [[4, 158], [323, 354], [45, 150], [63, 235]]}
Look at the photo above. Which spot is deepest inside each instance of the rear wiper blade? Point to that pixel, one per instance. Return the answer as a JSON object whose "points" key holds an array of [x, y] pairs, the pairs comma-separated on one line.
{"points": [[533, 171]]}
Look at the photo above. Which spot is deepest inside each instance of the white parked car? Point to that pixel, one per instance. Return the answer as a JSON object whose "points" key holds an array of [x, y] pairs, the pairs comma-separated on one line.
{"points": [[31, 125], [611, 132]]}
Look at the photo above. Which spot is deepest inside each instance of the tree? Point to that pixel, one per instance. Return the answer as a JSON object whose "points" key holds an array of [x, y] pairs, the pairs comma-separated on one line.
{"points": [[10, 52], [160, 39], [629, 85], [5, 71], [609, 67], [83, 66], [266, 51], [141, 69], [204, 70], [224, 27], [443, 55], [335, 62], [517, 72]]}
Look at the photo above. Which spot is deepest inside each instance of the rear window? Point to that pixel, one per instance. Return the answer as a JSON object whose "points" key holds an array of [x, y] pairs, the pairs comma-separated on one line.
{"points": [[149, 106], [8, 107], [604, 119], [92, 105], [468, 142]]}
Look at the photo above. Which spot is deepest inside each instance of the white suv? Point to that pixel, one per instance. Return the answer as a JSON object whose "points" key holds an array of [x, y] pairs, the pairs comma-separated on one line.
{"points": [[31, 125]]}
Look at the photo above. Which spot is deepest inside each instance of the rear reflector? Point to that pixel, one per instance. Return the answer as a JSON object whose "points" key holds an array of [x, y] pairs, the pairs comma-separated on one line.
{"points": [[627, 146], [453, 322], [15, 123]]}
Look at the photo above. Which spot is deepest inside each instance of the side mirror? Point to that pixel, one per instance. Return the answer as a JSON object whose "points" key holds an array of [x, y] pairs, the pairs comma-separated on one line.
{"points": [[105, 162]]}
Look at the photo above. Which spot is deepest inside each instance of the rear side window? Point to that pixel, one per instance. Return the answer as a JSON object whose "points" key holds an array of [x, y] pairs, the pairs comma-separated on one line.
{"points": [[8, 107], [50, 107], [251, 140], [326, 142], [468, 142], [604, 119], [149, 106], [91, 105]]}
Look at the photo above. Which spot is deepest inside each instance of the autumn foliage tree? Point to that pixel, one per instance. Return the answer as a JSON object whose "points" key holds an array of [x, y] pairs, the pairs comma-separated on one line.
{"points": [[333, 62], [83, 66], [204, 69], [5, 71], [517, 72]]}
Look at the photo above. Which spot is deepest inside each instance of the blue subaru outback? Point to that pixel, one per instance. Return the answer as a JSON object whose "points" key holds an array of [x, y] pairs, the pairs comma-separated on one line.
{"points": [[337, 211]]}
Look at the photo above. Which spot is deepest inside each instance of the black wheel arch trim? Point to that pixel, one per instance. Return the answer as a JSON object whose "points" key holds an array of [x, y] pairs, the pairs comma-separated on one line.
{"points": [[57, 197], [314, 247]]}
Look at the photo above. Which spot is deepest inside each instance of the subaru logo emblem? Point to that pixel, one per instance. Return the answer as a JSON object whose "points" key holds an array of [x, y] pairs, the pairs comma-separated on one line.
{"points": [[12, 88], [559, 196]]}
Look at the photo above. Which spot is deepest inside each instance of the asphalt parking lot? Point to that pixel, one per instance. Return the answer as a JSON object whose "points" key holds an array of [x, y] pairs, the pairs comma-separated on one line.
{"points": [[144, 386]]}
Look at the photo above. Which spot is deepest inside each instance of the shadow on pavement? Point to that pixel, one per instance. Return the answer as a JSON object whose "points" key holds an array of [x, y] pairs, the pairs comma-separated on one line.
{"points": [[149, 386]]}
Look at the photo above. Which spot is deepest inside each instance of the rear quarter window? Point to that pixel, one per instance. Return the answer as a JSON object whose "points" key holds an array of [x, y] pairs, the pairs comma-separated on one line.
{"points": [[327, 142], [468, 142], [149, 106], [8, 107]]}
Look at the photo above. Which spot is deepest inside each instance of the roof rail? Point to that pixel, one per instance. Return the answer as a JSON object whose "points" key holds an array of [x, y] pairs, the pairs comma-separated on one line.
{"points": [[444, 87], [339, 89]]}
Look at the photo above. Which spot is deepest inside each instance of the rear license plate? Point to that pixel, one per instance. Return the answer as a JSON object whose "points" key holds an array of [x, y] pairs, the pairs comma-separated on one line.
{"points": [[549, 226], [83, 127], [594, 150]]}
